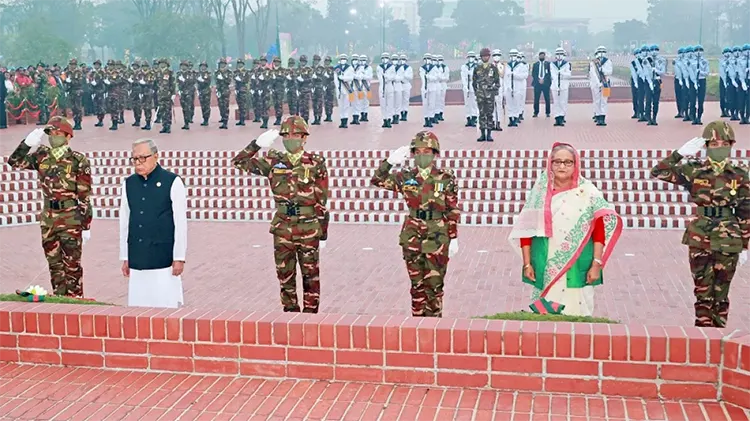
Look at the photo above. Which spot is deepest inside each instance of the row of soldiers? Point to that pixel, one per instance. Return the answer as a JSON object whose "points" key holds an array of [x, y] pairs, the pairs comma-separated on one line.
{"points": [[734, 86], [646, 70]]}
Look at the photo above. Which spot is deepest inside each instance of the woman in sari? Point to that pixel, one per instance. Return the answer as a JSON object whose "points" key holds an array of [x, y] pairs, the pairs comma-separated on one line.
{"points": [[565, 233]]}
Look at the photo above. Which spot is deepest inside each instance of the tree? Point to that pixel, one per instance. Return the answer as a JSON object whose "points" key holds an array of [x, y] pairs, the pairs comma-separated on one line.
{"points": [[629, 31], [398, 34], [488, 20], [218, 12], [240, 8], [260, 14], [428, 10]]}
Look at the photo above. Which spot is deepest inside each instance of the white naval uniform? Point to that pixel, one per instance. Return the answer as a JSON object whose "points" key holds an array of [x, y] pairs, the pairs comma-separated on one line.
{"points": [[599, 101], [358, 106], [386, 77], [515, 83], [398, 87], [499, 114], [471, 109], [365, 75], [561, 73], [429, 76], [344, 76], [406, 88], [157, 287], [445, 75]]}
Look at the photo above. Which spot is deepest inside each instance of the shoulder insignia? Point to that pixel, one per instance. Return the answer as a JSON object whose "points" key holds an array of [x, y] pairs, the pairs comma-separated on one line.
{"points": [[280, 165], [411, 182]]}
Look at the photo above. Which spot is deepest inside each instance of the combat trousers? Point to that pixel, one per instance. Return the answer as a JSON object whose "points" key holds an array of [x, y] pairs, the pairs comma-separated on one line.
{"points": [[329, 98], [62, 243], [75, 99], [204, 97], [223, 100], [187, 103], [99, 109], [317, 102], [135, 104], [486, 108], [288, 251], [165, 108], [559, 102], [241, 97], [41, 102], [304, 104], [113, 106], [471, 108], [292, 100], [427, 273], [712, 274]]}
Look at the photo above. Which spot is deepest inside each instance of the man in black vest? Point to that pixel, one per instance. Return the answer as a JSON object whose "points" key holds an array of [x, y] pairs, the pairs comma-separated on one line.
{"points": [[541, 81], [153, 230], [3, 94]]}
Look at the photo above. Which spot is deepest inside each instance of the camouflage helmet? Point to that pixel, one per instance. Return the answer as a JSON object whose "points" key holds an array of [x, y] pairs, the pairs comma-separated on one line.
{"points": [[303, 58], [73, 61], [223, 60], [291, 61], [165, 61], [327, 59], [316, 57], [263, 59], [294, 126], [719, 130], [60, 123], [256, 62], [118, 63], [276, 59], [203, 63], [145, 64], [239, 61], [484, 52], [135, 64], [184, 63], [97, 61], [425, 139]]}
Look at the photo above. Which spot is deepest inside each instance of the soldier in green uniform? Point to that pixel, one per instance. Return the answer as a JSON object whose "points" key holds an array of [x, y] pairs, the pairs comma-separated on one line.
{"points": [[242, 83], [135, 93], [263, 82], [165, 85], [204, 91], [486, 81], [720, 232], [299, 182], [329, 86], [65, 219], [429, 235], [146, 77], [277, 89], [186, 88], [41, 79], [318, 93], [73, 82], [223, 80], [292, 92], [96, 79]]}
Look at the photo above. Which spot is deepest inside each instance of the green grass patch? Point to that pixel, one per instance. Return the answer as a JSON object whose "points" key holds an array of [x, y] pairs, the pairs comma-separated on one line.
{"points": [[533, 317], [52, 300]]}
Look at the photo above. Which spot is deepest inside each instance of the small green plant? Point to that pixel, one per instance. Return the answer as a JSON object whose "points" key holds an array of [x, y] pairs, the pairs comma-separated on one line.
{"points": [[533, 317], [52, 300]]}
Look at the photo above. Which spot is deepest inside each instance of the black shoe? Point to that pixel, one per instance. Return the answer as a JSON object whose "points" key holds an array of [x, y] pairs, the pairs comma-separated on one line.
{"points": [[434, 120], [634, 116], [745, 121], [520, 118], [328, 119], [355, 119], [316, 122], [394, 120], [468, 122], [77, 126], [186, 126], [558, 121], [385, 124], [100, 123], [147, 126], [137, 123], [697, 122], [257, 120], [403, 115], [265, 123], [679, 115], [735, 117], [535, 115], [366, 117], [343, 124], [223, 125], [427, 122], [602, 120], [114, 125], [483, 137], [205, 122], [241, 122], [165, 129]]}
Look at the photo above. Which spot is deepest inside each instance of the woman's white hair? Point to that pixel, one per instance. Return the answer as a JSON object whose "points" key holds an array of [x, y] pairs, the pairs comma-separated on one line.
{"points": [[565, 147]]}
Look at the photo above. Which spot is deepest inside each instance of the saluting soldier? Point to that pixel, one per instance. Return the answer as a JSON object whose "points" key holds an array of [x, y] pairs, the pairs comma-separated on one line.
{"points": [[429, 236], [204, 91], [223, 80], [299, 182], [717, 238], [65, 219]]}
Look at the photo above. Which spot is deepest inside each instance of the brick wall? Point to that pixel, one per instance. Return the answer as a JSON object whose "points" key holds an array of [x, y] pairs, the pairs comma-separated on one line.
{"points": [[651, 362]]}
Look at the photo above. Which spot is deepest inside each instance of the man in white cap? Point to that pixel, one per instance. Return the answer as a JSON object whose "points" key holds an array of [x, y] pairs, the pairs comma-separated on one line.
{"points": [[428, 78], [344, 92], [365, 77], [515, 81], [499, 113], [471, 109], [561, 72], [358, 89], [386, 78], [445, 75], [600, 71], [408, 75]]}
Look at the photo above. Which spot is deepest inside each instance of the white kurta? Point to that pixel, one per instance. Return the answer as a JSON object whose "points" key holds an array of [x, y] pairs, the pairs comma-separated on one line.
{"points": [[157, 287]]}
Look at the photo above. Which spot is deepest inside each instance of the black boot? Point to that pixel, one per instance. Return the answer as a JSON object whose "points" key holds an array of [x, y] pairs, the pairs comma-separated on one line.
{"points": [[602, 120], [435, 120], [735, 116], [165, 129], [355, 119], [316, 122], [558, 121], [277, 122], [634, 116], [114, 124], [223, 125], [136, 123], [427, 122], [100, 123], [77, 125], [468, 122], [122, 117], [385, 124], [497, 127], [404, 115], [241, 122], [440, 116], [679, 115], [328, 119], [186, 126], [520, 118], [474, 121], [344, 124], [205, 122], [483, 137], [147, 126], [256, 119], [265, 123], [394, 120], [745, 120]]}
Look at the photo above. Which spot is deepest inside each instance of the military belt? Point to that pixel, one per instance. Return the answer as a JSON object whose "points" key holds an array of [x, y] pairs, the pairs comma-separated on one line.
{"points": [[61, 204], [715, 212], [425, 215], [294, 209]]}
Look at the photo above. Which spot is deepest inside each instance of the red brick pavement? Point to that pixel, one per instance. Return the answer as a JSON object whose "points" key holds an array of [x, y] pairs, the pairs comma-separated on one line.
{"points": [[61, 393], [538, 133], [230, 266]]}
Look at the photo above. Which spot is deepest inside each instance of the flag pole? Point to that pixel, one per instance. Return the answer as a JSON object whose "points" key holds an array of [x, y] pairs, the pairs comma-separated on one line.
{"points": [[278, 33]]}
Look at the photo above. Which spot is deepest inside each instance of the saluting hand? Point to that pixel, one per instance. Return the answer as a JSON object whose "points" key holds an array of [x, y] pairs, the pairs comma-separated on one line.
{"points": [[398, 157], [267, 138]]}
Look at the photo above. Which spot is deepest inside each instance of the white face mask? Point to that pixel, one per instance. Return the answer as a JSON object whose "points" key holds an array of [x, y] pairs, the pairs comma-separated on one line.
{"points": [[472, 59], [355, 62], [403, 61], [384, 60], [496, 59], [428, 61], [342, 62], [559, 57]]}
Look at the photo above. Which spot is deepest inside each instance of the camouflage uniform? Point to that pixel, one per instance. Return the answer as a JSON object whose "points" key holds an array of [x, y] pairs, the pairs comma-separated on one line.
{"points": [[277, 89], [204, 91], [254, 97], [318, 92], [113, 80], [98, 91], [67, 212], [300, 189], [146, 77], [431, 225], [486, 81], [191, 91], [263, 83], [223, 80], [165, 85], [136, 91], [292, 94], [74, 88], [720, 231], [329, 87], [241, 86], [305, 87], [41, 79], [122, 91], [186, 87]]}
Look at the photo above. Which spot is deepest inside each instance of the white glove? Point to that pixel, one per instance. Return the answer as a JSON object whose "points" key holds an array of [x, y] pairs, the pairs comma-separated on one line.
{"points": [[86, 235], [67, 79], [299, 78], [182, 79], [398, 157], [322, 244], [220, 77], [130, 79], [743, 258], [106, 81], [453, 248], [261, 77], [238, 79], [142, 82], [252, 77], [289, 77], [200, 79], [692, 147], [93, 83], [266, 139], [34, 138], [314, 76], [173, 97]]}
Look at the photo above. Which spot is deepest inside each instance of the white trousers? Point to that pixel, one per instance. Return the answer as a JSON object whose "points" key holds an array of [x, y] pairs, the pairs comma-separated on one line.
{"points": [[498, 115], [600, 102], [429, 103], [559, 102], [154, 288], [441, 98], [405, 98], [398, 96], [470, 104], [345, 107], [513, 104], [386, 101]]}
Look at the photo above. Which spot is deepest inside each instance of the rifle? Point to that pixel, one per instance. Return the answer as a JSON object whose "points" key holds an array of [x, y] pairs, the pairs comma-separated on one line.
{"points": [[345, 84], [606, 91]]}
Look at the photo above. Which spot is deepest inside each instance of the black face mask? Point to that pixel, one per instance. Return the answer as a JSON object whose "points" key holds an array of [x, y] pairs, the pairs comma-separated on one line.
{"points": [[542, 58]]}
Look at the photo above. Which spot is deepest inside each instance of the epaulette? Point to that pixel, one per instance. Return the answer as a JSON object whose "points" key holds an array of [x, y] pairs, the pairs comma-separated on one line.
{"points": [[80, 156], [449, 171], [317, 157], [273, 153]]}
